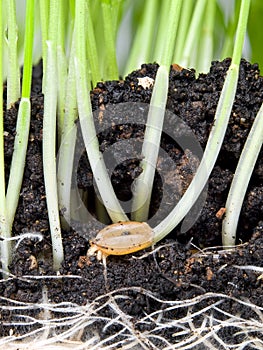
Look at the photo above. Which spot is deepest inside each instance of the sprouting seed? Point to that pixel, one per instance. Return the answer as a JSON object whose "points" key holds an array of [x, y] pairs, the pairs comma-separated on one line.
{"points": [[120, 239]]}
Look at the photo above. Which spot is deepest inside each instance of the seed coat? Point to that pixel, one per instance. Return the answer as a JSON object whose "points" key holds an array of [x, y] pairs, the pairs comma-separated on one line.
{"points": [[121, 238]]}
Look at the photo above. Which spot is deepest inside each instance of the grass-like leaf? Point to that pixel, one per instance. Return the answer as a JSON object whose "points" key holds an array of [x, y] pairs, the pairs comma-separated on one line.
{"points": [[68, 139], [142, 44], [13, 75], [49, 137], [23, 122], [98, 167], [5, 248], [151, 144]]}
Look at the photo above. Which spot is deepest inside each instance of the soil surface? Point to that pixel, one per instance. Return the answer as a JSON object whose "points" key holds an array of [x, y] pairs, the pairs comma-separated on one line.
{"points": [[178, 268]]}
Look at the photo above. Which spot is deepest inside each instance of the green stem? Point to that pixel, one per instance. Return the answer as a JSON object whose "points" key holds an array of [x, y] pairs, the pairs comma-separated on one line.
{"points": [[68, 140], [241, 31], [143, 184], [61, 68], [96, 16], [230, 32], [241, 179], [49, 136], [206, 41], [229, 225], [92, 52], [23, 120], [187, 8], [159, 42], [193, 32], [111, 66], [209, 157], [87, 125], [116, 9], [13, 74], [142, 45], [28, 47], [5, 246], [170, 34], [150, 149], [44, 15]]}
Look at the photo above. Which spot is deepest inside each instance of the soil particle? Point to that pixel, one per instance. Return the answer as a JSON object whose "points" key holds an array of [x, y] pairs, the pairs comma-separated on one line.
{"points": [[174, 271]]}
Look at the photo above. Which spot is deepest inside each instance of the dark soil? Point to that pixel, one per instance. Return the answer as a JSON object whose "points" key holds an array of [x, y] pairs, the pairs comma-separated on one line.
{"points": [[175, 271]]}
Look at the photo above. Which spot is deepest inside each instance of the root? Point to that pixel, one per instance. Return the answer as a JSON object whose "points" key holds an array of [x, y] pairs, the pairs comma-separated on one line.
{"points": [[202, 322], [206, 323]]}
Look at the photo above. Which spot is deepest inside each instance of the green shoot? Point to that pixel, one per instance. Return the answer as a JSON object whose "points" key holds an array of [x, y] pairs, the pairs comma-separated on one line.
{"points": [[241, 179], [44, 15], [111, 68], [173, 16], [116, 9], [206, 41], [255, 32], [49, 135], [216, 136], [87, 125], [23, 121], [13, 75], [142, 46], [68, 139], [186, 12], [62, 67], [193, 33], [143, 184], [5, 247], [92, 52], [150, 149], [160, 43], [95, 10], [230, 32]]}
